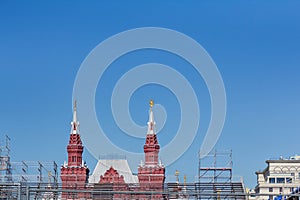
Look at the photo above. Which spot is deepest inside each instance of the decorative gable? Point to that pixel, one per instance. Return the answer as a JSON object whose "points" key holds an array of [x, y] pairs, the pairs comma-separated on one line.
{"points": [[111, 176]]}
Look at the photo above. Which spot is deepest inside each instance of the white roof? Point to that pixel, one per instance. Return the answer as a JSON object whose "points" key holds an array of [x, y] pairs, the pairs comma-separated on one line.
{"points": [[120, 165]]}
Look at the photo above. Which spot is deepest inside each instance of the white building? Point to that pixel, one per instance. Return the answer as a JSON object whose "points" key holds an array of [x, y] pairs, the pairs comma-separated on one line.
{"points": [[281, 176]]}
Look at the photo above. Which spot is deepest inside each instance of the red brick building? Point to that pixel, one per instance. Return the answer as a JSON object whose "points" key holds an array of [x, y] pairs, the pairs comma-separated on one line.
{"points": [[74, 174], [115, 176], [151, 173]]}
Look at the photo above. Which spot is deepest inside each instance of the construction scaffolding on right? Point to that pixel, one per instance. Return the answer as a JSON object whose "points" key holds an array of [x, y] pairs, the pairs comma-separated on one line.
{"points": [[215, 177]]}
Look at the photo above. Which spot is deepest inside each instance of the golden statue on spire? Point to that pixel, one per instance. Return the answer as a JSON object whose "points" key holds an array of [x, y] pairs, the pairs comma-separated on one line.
{"points": [[151, 103]]}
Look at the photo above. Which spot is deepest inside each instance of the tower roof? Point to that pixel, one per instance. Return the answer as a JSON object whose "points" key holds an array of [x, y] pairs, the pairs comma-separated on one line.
{"points": [[151, 140], [151, 123], [75, 123], [75, 147]]}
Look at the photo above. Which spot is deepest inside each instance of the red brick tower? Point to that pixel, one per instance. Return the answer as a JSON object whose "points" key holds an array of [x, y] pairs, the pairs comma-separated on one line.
{"points": [[74, 174], [151, 174]]}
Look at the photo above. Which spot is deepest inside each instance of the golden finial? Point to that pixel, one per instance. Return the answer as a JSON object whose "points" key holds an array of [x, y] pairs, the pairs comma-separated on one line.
{"points": [[151, 103]]}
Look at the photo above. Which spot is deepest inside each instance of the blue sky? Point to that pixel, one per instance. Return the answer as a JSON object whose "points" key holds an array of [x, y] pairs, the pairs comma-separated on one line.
{"points": [[255, 45]]}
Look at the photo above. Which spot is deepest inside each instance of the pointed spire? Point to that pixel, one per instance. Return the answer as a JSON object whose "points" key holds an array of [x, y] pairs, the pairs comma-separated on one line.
{"points": [[75, 123], [74, 112], [151, 122]]}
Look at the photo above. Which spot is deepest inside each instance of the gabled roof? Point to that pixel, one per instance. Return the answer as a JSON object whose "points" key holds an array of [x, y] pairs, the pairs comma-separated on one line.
{"points": [[120, 165]]}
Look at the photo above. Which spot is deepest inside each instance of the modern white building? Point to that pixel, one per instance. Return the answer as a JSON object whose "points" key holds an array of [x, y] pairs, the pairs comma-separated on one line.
{"points": [[280, 177]]}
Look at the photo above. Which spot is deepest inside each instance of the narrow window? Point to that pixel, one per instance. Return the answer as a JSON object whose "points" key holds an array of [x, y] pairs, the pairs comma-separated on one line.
{"points": [[271, 197], [271, 180]]}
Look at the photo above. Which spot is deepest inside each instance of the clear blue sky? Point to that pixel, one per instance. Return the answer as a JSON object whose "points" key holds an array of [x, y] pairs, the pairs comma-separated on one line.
{"points": [[255, 44]]}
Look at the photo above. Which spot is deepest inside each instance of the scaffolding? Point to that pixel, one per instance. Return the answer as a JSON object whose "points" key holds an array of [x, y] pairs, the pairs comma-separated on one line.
{"points": [[216, 167], [5, 164], [35, 171], [215, 177], [42, 175], [105, 191], [15, 175]]}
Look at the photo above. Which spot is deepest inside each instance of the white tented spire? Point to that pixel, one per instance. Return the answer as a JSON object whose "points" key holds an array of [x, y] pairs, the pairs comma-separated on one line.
{"points": [[75, 123], [75, 112], [151, 122]]}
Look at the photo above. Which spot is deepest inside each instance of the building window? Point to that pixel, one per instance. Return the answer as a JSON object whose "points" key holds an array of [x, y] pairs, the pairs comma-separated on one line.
{"points": [[271, 180], [289, 180], [280, 180], [271, 197], [257, 190], [280, 189], [270, 189], [292, 174]]}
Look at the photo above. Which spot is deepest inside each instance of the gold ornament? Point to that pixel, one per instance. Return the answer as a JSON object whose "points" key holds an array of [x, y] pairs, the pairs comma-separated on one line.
{"points": [[151, 103]]}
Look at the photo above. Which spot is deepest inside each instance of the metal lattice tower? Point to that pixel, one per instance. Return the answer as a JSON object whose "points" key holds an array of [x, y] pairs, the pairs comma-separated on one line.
{"points": [[216, 167], [5, 164], [215, 177]]}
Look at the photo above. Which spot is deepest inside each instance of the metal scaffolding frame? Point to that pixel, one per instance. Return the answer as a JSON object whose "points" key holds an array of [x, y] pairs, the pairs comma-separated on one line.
{"points": [[5, 164], [171, 191], [27, 174], [216, 167], [215, 177], [15, 175]]}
